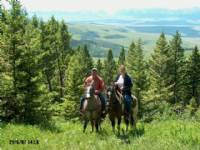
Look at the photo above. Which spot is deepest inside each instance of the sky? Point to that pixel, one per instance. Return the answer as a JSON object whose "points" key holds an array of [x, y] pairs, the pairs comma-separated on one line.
{"points": [[109, 6]]}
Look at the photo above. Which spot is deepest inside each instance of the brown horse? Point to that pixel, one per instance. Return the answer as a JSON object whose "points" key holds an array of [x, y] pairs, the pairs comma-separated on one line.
{"points": [[115, 106], [91, 109]]}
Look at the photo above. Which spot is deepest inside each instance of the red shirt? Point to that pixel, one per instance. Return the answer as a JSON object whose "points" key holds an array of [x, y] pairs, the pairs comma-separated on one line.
{"points": [[98, 82]]}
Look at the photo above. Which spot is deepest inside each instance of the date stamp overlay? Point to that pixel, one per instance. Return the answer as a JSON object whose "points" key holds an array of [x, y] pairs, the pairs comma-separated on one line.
{"points": [[24, 141]]}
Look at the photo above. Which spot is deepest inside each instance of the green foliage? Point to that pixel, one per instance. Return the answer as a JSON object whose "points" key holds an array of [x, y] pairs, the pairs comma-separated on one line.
{"points": [[75, 75], [12, 49], [99, 67], [49, 46], [136, 67], [193, 77], [109, 68], [159, 90], [79, 67], [41, 73], [122, 59], [176, 71]]}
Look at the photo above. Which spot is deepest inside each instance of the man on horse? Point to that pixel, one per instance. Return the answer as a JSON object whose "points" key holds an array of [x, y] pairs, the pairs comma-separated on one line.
{"points": [[124, 83], [98, 86]]}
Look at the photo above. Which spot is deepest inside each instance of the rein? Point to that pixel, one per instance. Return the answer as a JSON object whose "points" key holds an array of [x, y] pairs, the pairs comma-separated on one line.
{"points": [[119, 96]]}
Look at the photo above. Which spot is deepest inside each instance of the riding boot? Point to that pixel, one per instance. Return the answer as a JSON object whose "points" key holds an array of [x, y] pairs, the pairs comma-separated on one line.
{"points": [[103, 105], [81, 105]]}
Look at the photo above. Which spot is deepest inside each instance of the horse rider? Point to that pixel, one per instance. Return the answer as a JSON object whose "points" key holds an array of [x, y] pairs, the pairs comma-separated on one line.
{"points": [[98, 86], [124, 83]]}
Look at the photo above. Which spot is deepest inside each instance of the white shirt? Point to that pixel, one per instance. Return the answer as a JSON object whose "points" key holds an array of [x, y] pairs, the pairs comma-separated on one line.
{"points": [[120, 82]]}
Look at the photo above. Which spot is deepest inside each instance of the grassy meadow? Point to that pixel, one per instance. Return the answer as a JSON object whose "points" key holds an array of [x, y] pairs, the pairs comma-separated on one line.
{"points": [[165, 134]]}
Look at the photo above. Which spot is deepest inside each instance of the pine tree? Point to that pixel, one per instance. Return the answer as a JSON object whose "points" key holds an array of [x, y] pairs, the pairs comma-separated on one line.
{"points": [[158, 66], [87, 59], [176, 71], [193, 77], [35, 21], [13, 33], [32, 90], [136, 67], [121, 59], [99, 67], [49, 45], [109, 68], [63, 53]]}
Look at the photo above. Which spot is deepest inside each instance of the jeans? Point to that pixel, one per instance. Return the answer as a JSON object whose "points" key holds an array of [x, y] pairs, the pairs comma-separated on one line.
{"points": [[102, 99], [127, 102]]}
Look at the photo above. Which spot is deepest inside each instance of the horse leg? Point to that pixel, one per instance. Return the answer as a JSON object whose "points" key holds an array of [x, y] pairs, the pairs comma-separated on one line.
{"points": [[85, 125], [113, 124], [132, 120], [97, 125], [119, 122], [92, 124], [127, 122]]}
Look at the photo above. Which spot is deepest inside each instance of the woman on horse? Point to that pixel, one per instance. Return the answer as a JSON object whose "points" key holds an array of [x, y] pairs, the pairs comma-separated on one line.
{"points": [[124, 83], [99, 87]]}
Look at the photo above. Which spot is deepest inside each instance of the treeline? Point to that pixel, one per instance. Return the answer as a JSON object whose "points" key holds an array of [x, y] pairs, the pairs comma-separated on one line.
{"points": [[41, 75]]}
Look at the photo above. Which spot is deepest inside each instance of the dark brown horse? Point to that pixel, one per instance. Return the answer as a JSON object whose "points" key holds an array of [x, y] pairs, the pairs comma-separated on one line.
{"points": [[91, 109], [117, 109], [131, 117], [114, 106]]}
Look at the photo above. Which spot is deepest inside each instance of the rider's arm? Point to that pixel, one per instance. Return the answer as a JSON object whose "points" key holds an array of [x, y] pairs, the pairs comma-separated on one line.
{"points": [[86, 82], [129, 84]]}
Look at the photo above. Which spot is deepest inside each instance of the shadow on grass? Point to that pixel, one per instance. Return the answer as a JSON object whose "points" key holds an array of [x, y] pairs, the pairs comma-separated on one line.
{"points": [[131, 134], [50, 126]]}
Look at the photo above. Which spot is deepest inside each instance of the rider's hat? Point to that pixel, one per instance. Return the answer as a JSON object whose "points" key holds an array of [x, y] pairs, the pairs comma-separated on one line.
{"points": [[94, 69]]}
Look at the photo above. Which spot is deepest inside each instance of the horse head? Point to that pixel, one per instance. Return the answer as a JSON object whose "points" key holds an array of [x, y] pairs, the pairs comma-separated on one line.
{"points": [[90, 91]]}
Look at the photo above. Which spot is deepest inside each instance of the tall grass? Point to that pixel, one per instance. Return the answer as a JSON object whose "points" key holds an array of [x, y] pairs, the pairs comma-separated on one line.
{"points": [[172, 134]]}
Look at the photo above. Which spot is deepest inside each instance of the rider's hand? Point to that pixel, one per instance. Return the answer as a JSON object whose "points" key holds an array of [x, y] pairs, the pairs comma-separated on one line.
{"points": [[96, 91]]}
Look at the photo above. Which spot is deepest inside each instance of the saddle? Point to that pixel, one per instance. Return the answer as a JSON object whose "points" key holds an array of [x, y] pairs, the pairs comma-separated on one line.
{"points": [[120, 97]]}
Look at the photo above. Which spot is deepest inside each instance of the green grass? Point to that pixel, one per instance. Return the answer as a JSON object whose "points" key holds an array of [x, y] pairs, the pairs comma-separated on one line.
{"points": [[157, 135]]}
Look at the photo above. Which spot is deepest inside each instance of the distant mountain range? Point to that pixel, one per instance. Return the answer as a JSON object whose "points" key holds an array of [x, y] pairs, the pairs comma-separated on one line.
{"points": [[101, 30]]}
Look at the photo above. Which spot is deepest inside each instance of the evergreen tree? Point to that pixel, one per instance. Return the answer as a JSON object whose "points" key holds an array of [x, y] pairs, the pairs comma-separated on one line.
{"points": [[99, 67], [158, 67], [121, 59], [109, 68], [86, 60], [176, 71], [49, 46], [35, 21], [13, 44], [63, 53], [32, 90], [136, 67], [193, 77]]}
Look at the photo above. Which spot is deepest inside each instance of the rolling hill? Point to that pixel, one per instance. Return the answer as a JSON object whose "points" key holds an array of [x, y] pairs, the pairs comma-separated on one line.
{"points": [[101, 30]]}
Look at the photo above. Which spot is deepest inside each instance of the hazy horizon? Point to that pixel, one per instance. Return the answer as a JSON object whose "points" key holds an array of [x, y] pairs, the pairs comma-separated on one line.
{"points": [[108, 6]]}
